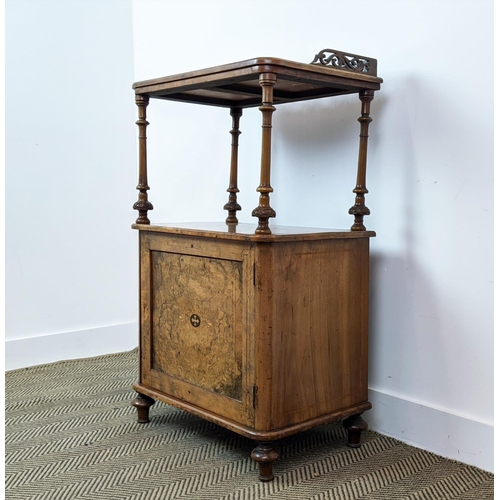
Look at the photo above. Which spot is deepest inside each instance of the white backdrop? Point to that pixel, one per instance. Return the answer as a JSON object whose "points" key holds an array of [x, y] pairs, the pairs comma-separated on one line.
{"points": [[71, 272], [71, 176]]}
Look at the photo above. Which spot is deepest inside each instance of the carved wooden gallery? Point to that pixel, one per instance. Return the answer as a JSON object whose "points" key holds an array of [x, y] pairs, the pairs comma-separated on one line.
{"points": [[261, 329]]}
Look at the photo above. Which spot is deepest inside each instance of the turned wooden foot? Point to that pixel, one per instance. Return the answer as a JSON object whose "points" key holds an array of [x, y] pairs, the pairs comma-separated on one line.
{"points": [[265, 455], [355, 425], [142, 403]]}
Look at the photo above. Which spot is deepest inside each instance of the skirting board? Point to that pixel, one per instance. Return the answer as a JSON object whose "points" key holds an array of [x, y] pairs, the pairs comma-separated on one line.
{"points": [[21, 353], [452, 436]]}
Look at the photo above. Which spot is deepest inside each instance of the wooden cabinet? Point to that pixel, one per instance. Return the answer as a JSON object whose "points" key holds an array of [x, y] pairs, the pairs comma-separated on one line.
{"points": [[263, 330]]}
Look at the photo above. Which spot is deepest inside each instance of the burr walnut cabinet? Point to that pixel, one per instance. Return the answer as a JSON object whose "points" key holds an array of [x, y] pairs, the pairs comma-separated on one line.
{"points": [[261, 329]]}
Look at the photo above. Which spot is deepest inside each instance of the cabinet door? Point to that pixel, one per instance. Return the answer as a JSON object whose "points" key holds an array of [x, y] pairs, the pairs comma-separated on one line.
{"points": [[195, 331]]}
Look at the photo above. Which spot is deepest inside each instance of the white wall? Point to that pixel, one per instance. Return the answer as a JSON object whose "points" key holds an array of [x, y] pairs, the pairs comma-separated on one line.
{"points": [[71, 174], [71, 271], [430, 178]]}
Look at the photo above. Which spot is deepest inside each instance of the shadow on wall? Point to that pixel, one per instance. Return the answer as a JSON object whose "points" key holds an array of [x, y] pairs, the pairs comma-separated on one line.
{"points": [[404, 308], [315, 155], [320, 125], [396, 358]]}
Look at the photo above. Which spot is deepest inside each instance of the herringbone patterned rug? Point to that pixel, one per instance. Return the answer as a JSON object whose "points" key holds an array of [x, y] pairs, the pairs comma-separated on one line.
{"points": [[72, 434]]}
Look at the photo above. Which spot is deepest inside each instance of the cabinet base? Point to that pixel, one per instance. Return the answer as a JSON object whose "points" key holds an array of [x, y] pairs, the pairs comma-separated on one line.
{"points": [[264, 454]]}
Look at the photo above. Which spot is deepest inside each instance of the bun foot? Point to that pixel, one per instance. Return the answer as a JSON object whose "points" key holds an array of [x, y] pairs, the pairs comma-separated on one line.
{"points": [[265, 455], [142, 403], [355, 425]]}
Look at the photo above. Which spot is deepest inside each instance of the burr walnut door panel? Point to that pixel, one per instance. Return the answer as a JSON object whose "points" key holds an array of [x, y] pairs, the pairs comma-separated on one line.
{"points": [[196, 322]]}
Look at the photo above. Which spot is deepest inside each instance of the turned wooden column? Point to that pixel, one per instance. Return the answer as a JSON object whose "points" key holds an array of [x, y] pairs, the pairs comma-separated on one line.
{"points": [[264, 211], [142, 205], [232, 205], [354, 425], [142, 404], [265, 455], [359, 210]]}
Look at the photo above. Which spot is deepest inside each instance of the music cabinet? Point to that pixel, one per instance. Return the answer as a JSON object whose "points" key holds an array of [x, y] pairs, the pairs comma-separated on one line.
{"points": [[262, 330]]}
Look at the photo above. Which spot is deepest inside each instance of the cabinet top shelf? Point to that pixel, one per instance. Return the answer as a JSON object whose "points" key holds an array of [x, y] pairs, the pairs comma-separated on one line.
{"points": [[246, 232], [237, 85]]}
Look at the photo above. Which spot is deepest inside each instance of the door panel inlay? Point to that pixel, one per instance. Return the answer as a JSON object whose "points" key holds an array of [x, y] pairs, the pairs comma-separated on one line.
{"points": [[197, 321]]}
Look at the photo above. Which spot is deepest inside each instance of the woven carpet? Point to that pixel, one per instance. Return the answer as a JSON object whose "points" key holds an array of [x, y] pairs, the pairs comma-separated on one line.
{"points": [[72, 434]]}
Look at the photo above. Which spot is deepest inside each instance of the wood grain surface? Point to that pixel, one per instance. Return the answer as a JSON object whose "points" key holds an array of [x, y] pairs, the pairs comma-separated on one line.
{"points": [[197, 320], [196, 340], [281, 333], [237, 84], [320, 328]]}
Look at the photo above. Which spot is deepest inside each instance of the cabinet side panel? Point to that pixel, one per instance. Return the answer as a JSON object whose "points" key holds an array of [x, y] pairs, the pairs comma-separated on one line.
{"points": [[320, 328]]}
